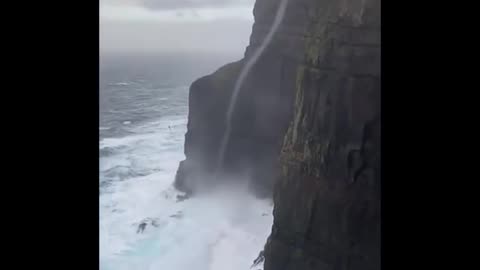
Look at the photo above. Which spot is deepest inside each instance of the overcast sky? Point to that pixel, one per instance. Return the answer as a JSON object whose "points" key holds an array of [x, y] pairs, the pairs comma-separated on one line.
{"points": [[175, 25]]}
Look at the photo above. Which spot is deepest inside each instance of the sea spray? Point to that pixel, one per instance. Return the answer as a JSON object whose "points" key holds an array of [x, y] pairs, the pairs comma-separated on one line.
{"points": [[241, 78]]}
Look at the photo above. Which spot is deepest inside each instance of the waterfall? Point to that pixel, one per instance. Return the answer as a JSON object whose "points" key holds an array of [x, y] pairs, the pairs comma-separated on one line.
{"points": [[241, 78]]}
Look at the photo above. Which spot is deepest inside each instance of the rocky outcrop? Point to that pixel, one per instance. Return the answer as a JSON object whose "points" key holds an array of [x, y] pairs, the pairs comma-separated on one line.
{"points": [[208, 101], [327, 199]]}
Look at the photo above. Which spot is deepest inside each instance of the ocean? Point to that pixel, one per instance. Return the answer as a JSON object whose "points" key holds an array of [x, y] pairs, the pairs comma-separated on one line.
{"points": [[143, 117]]}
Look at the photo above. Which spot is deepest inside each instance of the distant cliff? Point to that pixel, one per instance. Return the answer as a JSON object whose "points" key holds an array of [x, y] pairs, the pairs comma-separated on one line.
{"points": [[308, 123], [262, 112]]}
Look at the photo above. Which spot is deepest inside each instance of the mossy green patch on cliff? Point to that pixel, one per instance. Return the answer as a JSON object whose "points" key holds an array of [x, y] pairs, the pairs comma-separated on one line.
{"points": [[312, 51], [298, 102], [317, 44], [299, 78]]}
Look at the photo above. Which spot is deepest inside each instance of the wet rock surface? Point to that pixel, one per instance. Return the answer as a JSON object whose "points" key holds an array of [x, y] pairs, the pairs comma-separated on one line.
{"points": [[327, 197]]}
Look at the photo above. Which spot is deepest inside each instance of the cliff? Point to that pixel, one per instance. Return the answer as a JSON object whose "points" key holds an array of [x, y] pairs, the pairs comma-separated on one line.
{"points": [[308, 123], [262, 113], [327, 198]]}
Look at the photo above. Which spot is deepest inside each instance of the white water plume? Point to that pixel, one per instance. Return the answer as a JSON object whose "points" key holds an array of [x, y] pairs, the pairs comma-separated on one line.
{"points": [[243, 74], [222, 228]]}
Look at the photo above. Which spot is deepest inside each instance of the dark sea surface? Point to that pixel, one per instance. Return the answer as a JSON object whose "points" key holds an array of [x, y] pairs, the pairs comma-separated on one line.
{"points": [[137, 88]]}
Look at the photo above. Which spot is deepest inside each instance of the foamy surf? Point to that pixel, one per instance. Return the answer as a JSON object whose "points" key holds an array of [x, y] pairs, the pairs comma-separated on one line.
{"points": [[121, 84], [220, 230], [205, 237]]}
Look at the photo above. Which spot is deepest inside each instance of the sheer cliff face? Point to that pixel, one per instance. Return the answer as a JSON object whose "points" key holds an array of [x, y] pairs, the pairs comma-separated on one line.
{"points": [[327, 199], [262, 113], [307, 121]]}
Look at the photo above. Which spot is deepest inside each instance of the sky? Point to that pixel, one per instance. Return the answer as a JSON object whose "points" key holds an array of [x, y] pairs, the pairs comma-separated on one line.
{"points": [[175, 25]]}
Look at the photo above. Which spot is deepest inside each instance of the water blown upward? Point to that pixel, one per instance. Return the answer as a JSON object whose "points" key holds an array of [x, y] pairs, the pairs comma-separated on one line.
{"points": [[241, 78]]}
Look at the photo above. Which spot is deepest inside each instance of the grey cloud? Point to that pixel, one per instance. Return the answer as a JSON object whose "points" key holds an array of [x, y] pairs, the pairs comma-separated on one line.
{"points": [[228, 36], [180, 4]]}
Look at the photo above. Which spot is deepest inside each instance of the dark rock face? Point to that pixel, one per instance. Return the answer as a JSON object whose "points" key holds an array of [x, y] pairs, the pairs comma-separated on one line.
{"points": [[208, 100], [262, 113], [327, 199], [312, 99]]}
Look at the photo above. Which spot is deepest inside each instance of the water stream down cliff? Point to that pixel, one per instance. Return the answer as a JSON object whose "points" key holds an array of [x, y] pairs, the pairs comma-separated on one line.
{"points": [[305, 130]]}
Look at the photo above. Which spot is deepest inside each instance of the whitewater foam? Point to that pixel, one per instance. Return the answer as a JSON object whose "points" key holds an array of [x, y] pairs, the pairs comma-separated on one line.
{"points": [[121, 84], [224, 229]]}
